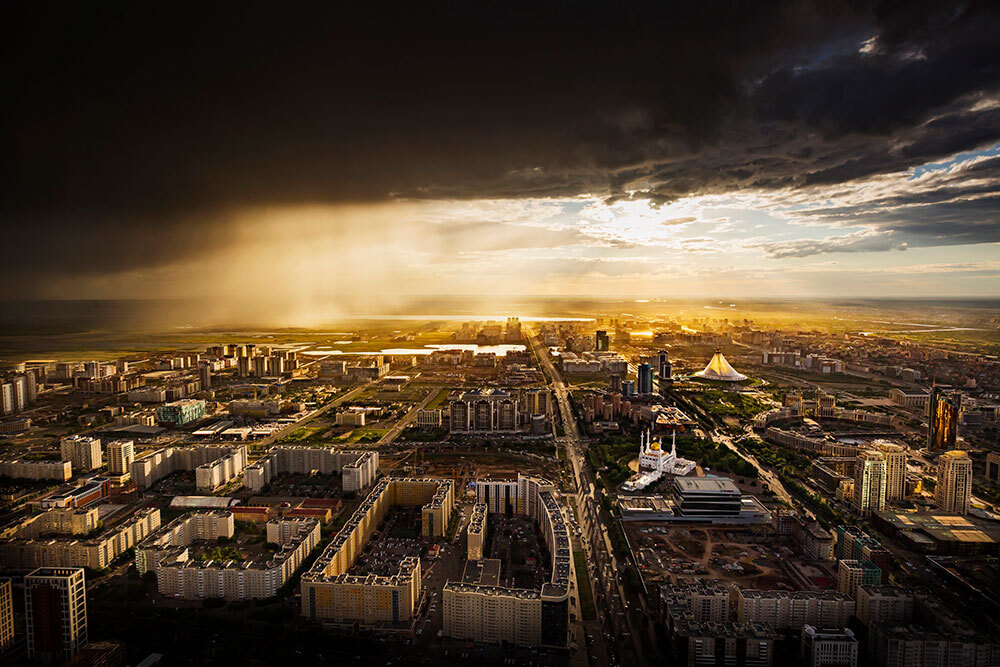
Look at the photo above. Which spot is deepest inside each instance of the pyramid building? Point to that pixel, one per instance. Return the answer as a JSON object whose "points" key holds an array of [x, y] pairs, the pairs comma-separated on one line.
{"points": [[720, 369]]}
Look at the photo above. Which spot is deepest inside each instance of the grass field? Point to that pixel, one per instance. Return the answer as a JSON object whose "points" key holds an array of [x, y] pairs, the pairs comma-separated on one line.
{"points": [[587, 608]]}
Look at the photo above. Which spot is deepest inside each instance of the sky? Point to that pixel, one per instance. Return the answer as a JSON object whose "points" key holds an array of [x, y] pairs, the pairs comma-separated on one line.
{"points": [[371, 153]]}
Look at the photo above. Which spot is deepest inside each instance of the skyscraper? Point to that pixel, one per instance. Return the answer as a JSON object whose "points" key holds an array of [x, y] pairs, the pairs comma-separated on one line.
{"points": [[601, 341], [895, 469], [954, 482], [664, 372], [869, 482], [645, 379], [942, 418], [205, 375], [55, 602]]}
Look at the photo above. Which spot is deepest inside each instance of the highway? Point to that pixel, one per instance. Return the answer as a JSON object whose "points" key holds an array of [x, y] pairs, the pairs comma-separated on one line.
{"points": [[609, 596], [408, 419], [336, 402]]}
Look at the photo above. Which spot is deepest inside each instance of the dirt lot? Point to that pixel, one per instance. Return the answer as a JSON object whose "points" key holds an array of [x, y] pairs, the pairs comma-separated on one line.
{"points": [[734, 555]]}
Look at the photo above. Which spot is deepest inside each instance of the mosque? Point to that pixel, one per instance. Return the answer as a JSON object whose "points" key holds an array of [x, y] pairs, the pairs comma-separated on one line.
{"points": [[655, 462]]}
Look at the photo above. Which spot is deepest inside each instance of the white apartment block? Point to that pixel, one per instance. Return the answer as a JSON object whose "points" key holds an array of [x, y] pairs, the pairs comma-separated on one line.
{"points": [[828, 647], [82, 451], [429, 418], [790, 610], [94, 553], [358, 468], [884, 604], [121, 454], [22, 469], [153, 467], [178, 574]]}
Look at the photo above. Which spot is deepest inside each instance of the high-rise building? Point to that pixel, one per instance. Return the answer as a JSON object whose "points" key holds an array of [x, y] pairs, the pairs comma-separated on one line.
{"points": [[6, 398], [663, 369], [205, 375], [828, 647], [82, 451], [645, 379], [55, 601], [852, 574], [537, 401], [20, 393], [6, 616], [243, 366], [602, 343], [869, 483], [954, 482], [993, 467], [121, 453], [942, 420], [895, 469]]}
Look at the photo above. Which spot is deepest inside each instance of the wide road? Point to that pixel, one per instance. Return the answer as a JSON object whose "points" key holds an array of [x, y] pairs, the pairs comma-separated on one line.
{"points": [[408, 418], [765, 474], [610, 596], [337, 402]]}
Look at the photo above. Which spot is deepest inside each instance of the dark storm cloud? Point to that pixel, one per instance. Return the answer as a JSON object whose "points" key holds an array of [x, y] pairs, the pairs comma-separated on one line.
{"points": [[127, 132]]}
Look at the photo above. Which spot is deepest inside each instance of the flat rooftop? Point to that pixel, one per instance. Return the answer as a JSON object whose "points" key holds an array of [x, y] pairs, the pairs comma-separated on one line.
{"points": [[482, 572], [706, 485]]}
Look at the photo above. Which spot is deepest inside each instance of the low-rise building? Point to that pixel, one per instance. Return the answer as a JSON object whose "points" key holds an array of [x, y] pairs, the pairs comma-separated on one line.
{"points": [[429, 418]]}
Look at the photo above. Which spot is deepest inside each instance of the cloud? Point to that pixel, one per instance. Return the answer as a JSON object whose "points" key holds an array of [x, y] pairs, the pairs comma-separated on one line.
{"points": [[138, 139], [857, 242], [679, 221]]}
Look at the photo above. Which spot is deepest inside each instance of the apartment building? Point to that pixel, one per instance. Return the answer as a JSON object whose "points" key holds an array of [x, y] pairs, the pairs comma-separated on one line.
{"points": [[895, 469], [790, 610], [357, 468], [330, 592], [178, 574], [94, 553], [694, 601], [953, 492], [851, 574], [483, 411], [153, 467], [6, 616], [55, 602], [476, 532], [489, 613], [57, 521], [61, 471], [121, 454], [884, 604], [82, 451], [729, 644], [828, 647]]}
